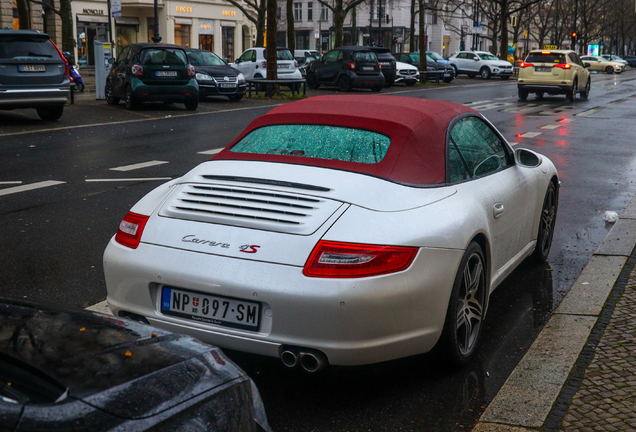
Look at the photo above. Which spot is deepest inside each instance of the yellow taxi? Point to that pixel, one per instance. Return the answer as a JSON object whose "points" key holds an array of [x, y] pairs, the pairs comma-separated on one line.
{"points": [[553, 72]]}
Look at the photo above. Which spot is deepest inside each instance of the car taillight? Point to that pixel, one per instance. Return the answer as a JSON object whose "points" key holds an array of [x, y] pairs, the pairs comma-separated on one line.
{"points": [[351, 260], [264, 64], [295, 63], [130, 229], [137, 70], [563, 66], [191, 72], [352, 66], [380, 66], [525, 65], [66, 71]]}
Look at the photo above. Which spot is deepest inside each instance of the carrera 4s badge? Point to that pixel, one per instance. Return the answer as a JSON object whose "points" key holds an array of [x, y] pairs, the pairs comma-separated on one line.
{"points": [[249, 248], [191, 238]]}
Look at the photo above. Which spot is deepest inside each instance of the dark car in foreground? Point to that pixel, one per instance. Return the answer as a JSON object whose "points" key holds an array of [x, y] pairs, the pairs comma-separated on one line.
{"points": [[347, 67], [431, 64], [152, 72], [72, 371], [387, 61], [215, 77], [33, 73]]}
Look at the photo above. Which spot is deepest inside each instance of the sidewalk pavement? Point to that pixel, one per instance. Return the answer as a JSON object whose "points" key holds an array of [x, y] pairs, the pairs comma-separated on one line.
{"points": [[580, 373]]}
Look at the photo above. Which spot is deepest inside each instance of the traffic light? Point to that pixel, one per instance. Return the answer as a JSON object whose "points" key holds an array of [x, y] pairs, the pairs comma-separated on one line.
{"points": [[573, 39]]}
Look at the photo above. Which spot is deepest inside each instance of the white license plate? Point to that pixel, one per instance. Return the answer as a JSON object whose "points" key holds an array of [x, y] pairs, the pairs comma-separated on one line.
{"points": [[282, 66], [32, 68], [166, 73], [232, 85], [543, 69], [370, 68], [211, 309]]}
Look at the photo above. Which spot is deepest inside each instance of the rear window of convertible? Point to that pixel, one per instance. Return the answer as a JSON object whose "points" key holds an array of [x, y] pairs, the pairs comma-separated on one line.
{"points": [[316, 141]]}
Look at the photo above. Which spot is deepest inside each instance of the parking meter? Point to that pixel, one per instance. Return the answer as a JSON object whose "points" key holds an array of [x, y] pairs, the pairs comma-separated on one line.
{"points": [[103, 53]]}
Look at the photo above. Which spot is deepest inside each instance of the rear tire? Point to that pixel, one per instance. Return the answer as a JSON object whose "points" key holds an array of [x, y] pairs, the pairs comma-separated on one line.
{"points": [[523, 94], [344, 83], [539, 95], [572, 92], [79, 87], [312, 81], [466, 308], [259, 87], [51, 112], [609, 70], [586, 93], [131, 103], [546, 224], [192, 104]]}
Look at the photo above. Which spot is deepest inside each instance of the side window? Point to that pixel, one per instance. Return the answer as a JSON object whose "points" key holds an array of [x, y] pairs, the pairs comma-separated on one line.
{"points": [[480, 148], [252, 56], [456, 165], [331, 56], [339, 56], [123, 56]]}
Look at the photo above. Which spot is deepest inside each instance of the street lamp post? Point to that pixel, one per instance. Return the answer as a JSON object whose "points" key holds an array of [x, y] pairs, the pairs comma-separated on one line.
{"points": [[155, 37]]}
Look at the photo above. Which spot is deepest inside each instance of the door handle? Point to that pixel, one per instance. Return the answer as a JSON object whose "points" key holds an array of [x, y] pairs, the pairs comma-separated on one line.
{"points": [[497, 210]]}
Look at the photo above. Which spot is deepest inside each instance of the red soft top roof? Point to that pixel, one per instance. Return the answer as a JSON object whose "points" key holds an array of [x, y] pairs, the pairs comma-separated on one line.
{"points": [[417, 128]]}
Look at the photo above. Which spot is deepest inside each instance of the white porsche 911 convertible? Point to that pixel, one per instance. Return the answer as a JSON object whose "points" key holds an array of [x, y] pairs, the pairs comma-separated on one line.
{"points": [[340, 230]]}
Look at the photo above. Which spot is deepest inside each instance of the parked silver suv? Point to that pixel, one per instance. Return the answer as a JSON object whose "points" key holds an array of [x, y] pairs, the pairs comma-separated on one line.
{"points": [[33, 73]]}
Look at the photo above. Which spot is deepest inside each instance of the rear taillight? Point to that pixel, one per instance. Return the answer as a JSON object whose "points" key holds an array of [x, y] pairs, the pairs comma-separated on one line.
{"points": [[191, 72], [130, 229], [295, 63], [380, 66], [562, 66], [525, 65], [352, 66], [137, 70], [66, 71], [352, 260], [264, 64]]}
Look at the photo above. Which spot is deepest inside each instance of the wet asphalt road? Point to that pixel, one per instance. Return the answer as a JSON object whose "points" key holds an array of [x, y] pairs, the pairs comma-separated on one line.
{"points": [[52, 238]]}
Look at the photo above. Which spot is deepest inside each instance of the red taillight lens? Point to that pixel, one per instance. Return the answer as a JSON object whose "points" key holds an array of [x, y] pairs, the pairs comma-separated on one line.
{"points": [[264, 64], [191, 72], [563, 66], [130, 229], [380, 66], [525, 65], [137, 70], [66, 72], [352, 66], [295, 63], [352, 260]]}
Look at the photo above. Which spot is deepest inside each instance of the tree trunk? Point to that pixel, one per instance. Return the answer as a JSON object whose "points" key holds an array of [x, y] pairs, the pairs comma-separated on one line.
{"points": [[68, 39], [338, 22], [503, 49], [272, 66], [354, 27], [260, 25], [23, 15], [291, 34], [412, 28], [422, 42], [370, 22]]}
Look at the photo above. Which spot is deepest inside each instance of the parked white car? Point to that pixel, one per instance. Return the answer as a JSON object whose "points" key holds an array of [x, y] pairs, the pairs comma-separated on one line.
{"points": [[307, 53], [406, 73], [481, 63], [253, 64]]}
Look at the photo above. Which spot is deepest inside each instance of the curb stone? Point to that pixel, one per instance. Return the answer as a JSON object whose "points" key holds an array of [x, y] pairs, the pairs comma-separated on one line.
{"points": [[528, 396]]}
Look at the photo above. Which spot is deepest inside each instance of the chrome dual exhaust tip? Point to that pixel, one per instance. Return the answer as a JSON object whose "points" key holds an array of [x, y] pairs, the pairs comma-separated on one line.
{"points": [[289, 358], [310, 360]]}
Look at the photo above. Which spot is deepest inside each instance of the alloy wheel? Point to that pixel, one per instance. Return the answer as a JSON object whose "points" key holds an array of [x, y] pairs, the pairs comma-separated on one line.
{"points": [[548, 214], [470, 305]]}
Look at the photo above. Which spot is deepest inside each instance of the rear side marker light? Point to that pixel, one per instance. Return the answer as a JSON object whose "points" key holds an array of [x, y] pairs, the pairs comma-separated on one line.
{"points": [[137, 70], [130, 230], [191, 71], [380, 66], [352, 66], [352, 260]]}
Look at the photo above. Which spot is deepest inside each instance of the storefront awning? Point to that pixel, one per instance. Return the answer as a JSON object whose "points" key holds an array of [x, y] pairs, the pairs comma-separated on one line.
{"points": [[92, 18], [127, 21], [206, 27], [183, 21], [228, 24]]}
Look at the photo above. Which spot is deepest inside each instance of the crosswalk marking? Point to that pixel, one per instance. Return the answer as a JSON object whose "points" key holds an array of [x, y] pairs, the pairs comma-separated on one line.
{"points": [[138, 165], [589, 112], [29, 187], [526, 108], [10, 182], [487, 105], [211, 152], [551, 126], [529, 135]]}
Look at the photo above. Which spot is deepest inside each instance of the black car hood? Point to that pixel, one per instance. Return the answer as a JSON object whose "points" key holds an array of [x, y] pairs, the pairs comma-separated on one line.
{"points": [[125, 368], [218, 71]]}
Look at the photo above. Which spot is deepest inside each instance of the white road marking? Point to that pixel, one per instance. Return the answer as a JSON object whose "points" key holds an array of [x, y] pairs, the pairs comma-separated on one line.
{"points": [[138, 165], [211, 152], [589, 112], [529, 135], [514, 143], [127, 179], [101, 307], [526, 108], [29, 187], [487, 105], [552, 126], [10, 182]]}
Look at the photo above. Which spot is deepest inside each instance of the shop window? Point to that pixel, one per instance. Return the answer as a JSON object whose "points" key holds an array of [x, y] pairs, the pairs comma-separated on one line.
{"points": [[227, 47], [298, 11], [182, 35], [324, 13], [206, 42], [310, 11], [151, 28], [124, 36]]}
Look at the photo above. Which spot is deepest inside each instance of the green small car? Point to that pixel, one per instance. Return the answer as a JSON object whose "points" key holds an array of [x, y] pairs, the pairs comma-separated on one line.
{"points": [[148, 72]]}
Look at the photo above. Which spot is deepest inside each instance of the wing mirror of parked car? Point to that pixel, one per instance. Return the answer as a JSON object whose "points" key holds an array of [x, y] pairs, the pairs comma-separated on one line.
{"points": [[587, 65], [476, 58], [527, 158], [237, 61]]}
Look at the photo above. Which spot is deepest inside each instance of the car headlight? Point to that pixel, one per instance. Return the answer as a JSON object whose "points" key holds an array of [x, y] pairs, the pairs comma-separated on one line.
{"points": [[241, 78], [203, 77]]}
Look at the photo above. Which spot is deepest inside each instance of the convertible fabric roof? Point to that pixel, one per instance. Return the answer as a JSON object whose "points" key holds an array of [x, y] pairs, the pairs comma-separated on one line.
{"points": [[417, 128]]}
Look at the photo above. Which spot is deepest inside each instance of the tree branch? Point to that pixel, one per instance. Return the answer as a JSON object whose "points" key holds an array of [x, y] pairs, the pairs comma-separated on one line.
{"points": [[46, 6]]}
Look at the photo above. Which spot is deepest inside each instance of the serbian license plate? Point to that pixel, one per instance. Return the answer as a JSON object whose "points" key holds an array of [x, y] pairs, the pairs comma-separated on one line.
{"points": [[166, 73], [32, 68], [369, 68], [211, 309], [543, 69], [231, 85]]}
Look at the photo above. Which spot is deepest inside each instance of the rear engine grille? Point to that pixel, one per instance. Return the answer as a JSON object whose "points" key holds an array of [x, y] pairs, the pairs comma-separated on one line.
{"points": [[252, 208]]}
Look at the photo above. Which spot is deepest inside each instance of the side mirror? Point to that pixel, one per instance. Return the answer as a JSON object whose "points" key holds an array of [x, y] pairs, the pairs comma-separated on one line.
{"points": [[527, 158], [476, 58], [237, 61], [111, 61], [586, 64]]}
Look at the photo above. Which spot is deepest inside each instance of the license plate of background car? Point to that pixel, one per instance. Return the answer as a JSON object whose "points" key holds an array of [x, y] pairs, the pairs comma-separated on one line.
{"points": [[166, 73], [542, 69], [32, 68], [282, 66], [210, 309], [367, 68], [227, 85]]}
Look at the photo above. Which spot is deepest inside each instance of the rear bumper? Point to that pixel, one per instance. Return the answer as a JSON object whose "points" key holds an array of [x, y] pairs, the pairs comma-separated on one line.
{"points": [[366, 80], [31, 98], [145, 92], [546, 88]]}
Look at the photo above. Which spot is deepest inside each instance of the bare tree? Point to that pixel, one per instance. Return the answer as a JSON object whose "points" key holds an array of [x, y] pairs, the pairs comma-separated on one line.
{"points": [[66, 14], [340, 9], [255, 11], [271, 52], [291, 34]]}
